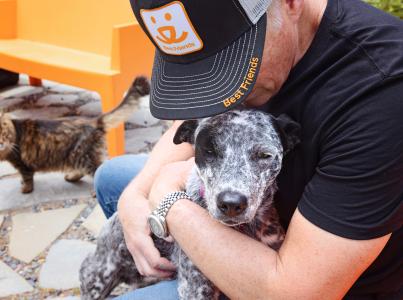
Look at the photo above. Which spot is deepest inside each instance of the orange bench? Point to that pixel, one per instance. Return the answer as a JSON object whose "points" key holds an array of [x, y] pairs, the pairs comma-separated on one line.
{"points": [[90, 44]]}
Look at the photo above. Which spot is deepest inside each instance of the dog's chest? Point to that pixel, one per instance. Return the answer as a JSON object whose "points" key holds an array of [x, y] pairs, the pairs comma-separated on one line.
{"points": [[265, 229]]}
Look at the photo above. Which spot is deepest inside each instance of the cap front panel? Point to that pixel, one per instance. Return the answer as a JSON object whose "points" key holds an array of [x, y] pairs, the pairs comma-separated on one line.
{"points": [[208, 53], [201, 91]]}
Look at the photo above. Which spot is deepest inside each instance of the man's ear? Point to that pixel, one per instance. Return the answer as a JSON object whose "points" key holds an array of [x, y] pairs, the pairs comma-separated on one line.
{"points": [[185, 132], [294, 9], [290, 132]]}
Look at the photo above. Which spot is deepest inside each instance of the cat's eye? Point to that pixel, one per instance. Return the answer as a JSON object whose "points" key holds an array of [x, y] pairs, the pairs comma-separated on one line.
{"points": [[264, 155]]}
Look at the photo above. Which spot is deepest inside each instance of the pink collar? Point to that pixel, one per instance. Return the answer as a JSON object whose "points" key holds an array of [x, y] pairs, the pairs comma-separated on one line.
{"points": [[201, 191]]}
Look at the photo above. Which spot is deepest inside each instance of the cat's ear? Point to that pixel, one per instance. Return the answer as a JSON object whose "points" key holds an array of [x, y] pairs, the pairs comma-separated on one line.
{"points": [[185, 132], [289, 131], [2, 112]]}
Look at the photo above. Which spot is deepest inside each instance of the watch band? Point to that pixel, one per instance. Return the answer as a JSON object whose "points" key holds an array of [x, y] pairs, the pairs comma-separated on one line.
{"points": [[157, 219], [168, 201]]}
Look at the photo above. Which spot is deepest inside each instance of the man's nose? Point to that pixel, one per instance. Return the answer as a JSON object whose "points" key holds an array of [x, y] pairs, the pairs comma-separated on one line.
{"points": [[231, 203]]}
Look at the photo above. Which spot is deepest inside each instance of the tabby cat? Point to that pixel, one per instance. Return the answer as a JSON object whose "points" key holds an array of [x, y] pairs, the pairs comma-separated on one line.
{"points": [[75, 146]]}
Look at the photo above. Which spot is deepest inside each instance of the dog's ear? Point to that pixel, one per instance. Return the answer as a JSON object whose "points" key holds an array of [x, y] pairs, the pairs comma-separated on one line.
{"points": [[185, 132], [290, 132]]}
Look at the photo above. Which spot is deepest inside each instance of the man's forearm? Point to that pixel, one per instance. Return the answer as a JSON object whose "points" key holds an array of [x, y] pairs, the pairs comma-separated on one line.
{"points": [[242, 271], [311, 264], [164, 152]]}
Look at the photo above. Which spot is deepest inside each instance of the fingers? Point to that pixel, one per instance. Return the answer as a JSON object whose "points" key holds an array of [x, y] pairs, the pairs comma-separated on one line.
{"points": [[164, 265], [148, 260], [153, 257], [169, 239], [146, 270], [157, 273]]}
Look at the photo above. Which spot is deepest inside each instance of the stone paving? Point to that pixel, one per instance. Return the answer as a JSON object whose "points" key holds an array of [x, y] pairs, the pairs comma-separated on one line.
{"points": [[44, 236]]}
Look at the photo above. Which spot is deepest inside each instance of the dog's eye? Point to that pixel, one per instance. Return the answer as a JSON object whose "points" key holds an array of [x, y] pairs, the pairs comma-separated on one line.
{"points": [[264, 155], [209, 151]]}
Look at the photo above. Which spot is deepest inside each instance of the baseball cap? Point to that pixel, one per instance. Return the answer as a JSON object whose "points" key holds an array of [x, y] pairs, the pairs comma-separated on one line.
{"points": [[208, 53]]}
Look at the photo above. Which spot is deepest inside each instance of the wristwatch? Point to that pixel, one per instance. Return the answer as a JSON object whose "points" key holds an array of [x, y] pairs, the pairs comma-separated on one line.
{"points": [[157, 219]]}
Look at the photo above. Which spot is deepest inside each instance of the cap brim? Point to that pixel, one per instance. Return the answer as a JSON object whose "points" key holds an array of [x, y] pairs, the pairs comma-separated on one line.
{"points": [[209, 86]]}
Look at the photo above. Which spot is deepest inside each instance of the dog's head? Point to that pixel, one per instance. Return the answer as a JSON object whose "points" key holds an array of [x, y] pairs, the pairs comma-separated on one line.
{"points": [[238, 156]]}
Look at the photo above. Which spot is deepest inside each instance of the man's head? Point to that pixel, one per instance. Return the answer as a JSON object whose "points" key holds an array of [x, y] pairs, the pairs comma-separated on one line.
{"points": [[213, 55], [238, 156], [291, 27]]}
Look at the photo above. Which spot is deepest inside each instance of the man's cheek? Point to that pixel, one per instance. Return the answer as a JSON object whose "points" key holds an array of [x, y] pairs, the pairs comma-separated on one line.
{"points": [[256, 99]]}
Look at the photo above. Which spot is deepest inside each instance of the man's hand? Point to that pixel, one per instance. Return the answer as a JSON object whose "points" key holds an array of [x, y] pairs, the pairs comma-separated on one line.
{"points": [[171, 178], [133, 211], [133, 206]]}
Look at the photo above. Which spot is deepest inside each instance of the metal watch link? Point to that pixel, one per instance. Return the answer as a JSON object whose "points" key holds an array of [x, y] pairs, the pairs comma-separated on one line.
{"points": [[157, 219]]}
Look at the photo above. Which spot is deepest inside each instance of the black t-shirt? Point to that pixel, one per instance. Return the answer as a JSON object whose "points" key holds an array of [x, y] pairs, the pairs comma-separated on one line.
{"points": [[347, 174]]}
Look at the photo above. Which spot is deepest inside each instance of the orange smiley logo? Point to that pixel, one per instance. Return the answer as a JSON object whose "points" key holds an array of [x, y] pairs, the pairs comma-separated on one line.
{"points": [[171, 29], [168, 33]]}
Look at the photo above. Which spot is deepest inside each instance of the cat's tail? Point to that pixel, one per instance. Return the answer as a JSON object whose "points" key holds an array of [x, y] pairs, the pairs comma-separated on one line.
{"points": [[140, 87]]}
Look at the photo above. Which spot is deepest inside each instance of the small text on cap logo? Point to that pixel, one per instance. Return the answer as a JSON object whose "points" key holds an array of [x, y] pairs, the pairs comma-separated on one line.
{"points": [[171, 29]]}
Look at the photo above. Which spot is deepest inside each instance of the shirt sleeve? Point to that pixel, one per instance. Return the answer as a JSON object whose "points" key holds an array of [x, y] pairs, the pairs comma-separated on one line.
{"points": [[357, 189]]}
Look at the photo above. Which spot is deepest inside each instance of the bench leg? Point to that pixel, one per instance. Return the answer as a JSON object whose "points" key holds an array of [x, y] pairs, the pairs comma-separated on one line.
{"points": [[115, 137], [116, 141], [35, 81]]}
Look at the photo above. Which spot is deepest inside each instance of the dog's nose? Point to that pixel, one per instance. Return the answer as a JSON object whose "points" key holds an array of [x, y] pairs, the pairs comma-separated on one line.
{"points": [[231, 204]]}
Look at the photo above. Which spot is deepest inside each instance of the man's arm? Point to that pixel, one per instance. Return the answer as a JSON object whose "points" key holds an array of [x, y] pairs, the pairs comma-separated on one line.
{"points": [[133, 207], [311, 264], [164, 152]]}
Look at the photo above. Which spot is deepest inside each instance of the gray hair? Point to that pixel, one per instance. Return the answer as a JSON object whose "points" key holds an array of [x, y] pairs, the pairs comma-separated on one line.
{"points": [[274, 13]]}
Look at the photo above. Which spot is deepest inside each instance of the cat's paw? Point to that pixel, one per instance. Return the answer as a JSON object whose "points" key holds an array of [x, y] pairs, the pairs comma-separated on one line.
{"points": [[27, 188], [73, 177]]}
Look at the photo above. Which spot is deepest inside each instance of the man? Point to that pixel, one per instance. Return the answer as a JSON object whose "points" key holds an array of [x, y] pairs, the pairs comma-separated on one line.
{"points": [[335, 67]]}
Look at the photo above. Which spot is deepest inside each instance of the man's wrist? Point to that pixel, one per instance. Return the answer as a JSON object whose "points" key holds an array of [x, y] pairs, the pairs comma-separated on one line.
{"points": [[157, 219], [179, 209], [169, 200]]}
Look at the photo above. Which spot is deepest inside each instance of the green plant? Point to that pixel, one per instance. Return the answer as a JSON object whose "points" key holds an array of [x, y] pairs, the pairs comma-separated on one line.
{"points": [[394, 7]]}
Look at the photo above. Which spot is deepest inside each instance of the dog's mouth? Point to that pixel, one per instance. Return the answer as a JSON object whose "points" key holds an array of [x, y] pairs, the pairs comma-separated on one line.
{"points": [[233, 222]]}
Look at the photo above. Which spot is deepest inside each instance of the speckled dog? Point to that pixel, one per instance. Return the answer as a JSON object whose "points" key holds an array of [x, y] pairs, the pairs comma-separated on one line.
{"points": [[238, 156]]}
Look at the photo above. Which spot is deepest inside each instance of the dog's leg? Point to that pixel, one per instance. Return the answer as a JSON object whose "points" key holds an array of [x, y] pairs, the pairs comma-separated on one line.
{"points": [[112, 263], [102, 271]]}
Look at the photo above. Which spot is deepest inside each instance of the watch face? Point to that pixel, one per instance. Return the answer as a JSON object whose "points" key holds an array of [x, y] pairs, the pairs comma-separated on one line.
{"points": [[156, 226]]}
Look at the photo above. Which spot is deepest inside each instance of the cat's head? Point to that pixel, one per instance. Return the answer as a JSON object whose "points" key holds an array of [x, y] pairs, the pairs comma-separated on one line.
{"points": [[7, 134]]}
